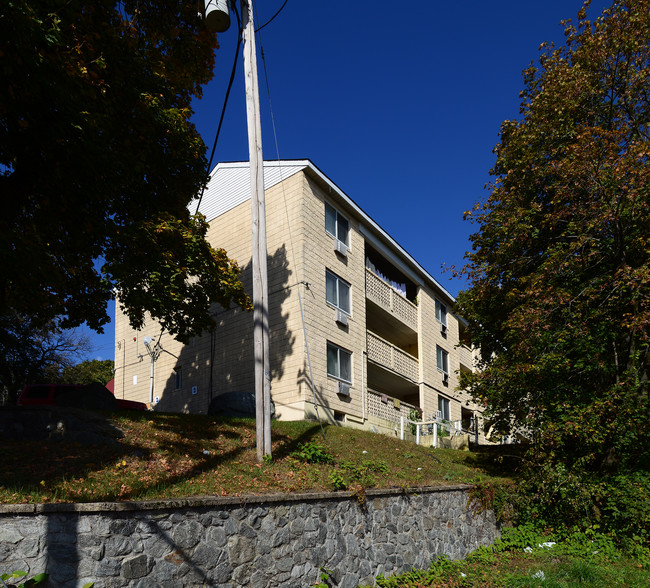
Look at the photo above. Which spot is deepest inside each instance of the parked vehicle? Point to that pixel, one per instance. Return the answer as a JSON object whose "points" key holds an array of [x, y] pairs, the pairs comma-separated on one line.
{"points": [[236, 404], [91, 396]]}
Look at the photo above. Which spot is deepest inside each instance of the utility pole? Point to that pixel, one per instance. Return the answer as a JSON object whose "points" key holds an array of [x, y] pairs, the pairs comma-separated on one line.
{"points": [[259, 253]]}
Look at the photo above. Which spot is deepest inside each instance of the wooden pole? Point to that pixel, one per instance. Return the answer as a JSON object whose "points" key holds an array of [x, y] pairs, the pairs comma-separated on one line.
{"points": [[259, 254]]}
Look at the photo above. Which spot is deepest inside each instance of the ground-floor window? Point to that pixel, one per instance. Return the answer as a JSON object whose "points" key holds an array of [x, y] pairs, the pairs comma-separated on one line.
{"points": [[443, 408]]}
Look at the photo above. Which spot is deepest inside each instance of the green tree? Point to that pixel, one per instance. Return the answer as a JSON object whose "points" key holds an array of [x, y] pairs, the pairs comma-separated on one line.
{"points": [[86, 372], [31, 352], [99, 161], [559, 301]]}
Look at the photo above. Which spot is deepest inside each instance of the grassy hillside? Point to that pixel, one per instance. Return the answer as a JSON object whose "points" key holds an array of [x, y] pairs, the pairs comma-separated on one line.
{"points": [[164, 455]]}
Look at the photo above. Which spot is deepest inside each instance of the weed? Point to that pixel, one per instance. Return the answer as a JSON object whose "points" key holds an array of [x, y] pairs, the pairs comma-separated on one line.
{"points": [[360, 494], [508, 564], [482, 555], [35, 581], [338, 481], [313, 453], [519, 538], [481, 497], [325, 579], [38, 579]]}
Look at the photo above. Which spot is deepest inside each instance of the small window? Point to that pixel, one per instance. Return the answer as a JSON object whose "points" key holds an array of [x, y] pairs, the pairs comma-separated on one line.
{"points": [[338, 292], [337, 225], [441, 313], [443, 408], [442, 360], [339, 363], [179, 378]]}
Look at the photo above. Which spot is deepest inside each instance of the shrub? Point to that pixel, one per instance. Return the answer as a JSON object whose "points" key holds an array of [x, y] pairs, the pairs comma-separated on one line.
{"points": [[313, 453]]}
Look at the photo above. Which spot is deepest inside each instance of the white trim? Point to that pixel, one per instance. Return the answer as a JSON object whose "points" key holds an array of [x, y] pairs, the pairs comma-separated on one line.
{"points": [[406, 257], [278, 171]]}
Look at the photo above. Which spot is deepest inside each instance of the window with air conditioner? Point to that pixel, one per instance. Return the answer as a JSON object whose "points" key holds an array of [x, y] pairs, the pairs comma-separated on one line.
{"points": [[442, 360], [339, 363], [337, 226], [337, 292], [441, 315], [343, 389]]}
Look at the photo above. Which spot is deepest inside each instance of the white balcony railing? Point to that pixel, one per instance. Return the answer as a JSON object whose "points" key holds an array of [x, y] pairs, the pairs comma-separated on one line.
{"points": [[387, 355], [382, 294], [388, 408]]}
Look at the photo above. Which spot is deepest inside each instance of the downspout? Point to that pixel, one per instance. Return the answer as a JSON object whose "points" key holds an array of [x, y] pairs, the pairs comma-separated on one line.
{"points": [[151, 383], [123, 368], [364, 388]]}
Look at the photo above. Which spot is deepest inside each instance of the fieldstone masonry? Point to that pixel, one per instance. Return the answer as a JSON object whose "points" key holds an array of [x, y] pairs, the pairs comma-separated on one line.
{"points": [[257, 542]]}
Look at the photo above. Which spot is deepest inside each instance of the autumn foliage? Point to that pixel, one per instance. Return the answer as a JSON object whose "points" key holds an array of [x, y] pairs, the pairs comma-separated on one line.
{"points": [[560, 296], [99, 161]]}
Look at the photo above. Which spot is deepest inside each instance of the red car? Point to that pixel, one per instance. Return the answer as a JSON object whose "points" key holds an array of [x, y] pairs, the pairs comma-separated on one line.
{"points": [[94, 396]]}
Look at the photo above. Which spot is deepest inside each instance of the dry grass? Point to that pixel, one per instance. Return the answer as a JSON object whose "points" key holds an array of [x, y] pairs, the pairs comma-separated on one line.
{"points": [[164, 456]]}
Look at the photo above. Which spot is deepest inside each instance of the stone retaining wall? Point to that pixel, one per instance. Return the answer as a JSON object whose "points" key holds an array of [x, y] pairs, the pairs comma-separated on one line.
{"points": [[279, 540]]}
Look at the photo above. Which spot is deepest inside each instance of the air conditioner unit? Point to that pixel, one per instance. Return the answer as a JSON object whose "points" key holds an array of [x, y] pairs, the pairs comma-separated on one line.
{"points": [[445, 378], [341, 247], [344, 389], [341, 318], [443, 328]]}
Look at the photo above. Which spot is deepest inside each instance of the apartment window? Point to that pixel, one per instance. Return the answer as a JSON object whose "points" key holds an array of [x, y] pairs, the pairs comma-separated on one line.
{"points": [[442, 359], [178, 372], [443, 408], [337, 225], [338, 292], [441, 313], [339, 363]]}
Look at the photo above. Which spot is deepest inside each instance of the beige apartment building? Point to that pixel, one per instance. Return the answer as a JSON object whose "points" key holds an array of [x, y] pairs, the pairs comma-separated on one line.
{"points": [[357, 327]]}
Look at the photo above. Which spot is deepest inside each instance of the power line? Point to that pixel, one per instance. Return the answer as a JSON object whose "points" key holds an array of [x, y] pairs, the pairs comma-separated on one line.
{"points": [[273, 17], [225, 103], [284, 196]]}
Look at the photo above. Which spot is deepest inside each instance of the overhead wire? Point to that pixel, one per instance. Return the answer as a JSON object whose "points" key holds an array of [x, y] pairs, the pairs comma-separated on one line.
{"points": [[284, 196], [268, 22], [225, 103]]}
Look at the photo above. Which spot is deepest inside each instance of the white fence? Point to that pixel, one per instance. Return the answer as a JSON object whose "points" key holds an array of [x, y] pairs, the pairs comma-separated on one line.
{"points": [[399, 412], [431, 427]]}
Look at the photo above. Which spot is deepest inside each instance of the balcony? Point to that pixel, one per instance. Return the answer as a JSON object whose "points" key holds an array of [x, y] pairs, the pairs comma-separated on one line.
{"points": [[384, 406], [465, 357], [384, 296], [391, 357]]}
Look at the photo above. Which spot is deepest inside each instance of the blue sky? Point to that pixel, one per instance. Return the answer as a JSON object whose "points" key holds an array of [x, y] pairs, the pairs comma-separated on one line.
{"points": [[400, 109]]}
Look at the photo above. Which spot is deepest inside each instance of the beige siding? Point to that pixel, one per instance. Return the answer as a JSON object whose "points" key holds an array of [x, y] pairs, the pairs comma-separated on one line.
{"points": [[300, 251], [319, 256]]}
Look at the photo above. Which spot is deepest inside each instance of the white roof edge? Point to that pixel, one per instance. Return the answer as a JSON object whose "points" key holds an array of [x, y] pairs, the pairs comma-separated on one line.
{"points": [[308, 164], [275, 163], [375, 226]]}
